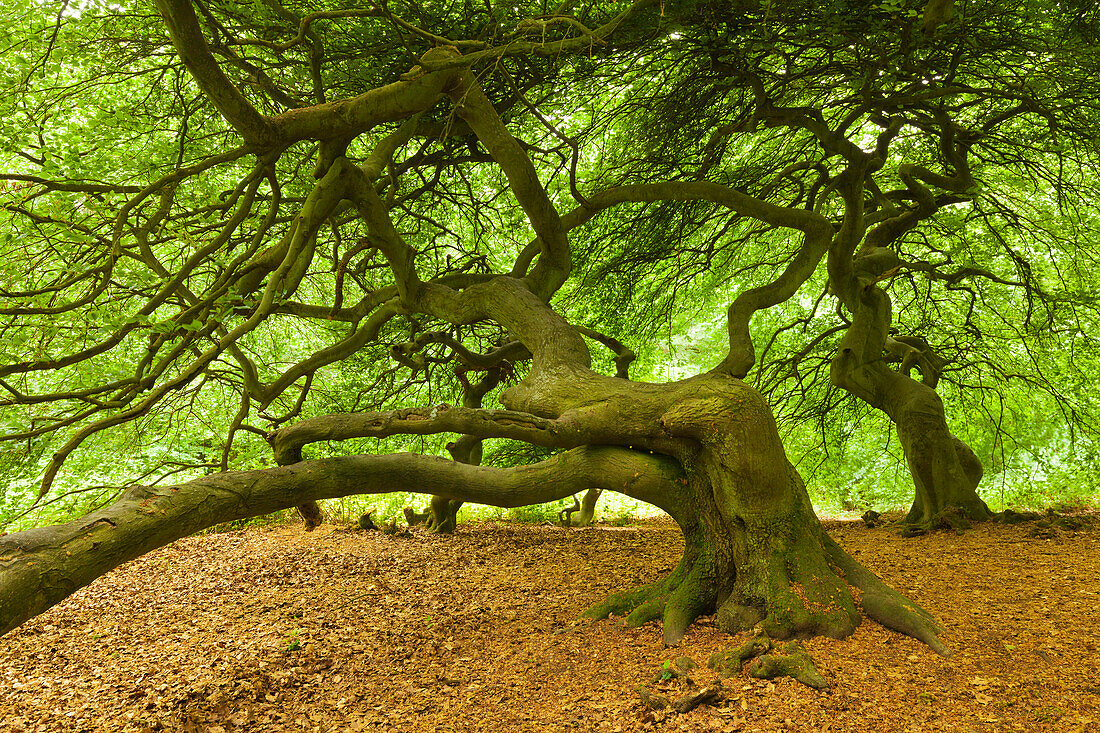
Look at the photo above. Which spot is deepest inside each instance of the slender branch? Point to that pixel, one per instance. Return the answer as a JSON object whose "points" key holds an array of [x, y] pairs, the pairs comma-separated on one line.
{"points": [[473, 106], [624, 355]]}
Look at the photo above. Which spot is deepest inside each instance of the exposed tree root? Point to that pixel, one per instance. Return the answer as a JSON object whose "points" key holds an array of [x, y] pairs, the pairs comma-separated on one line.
{"points": [[391, 527], [728, 662], [791, 598], [789, 660], [885, 605], [871, 518], [694, 597], [443, 515], [793, 584], [1009, 516], [684, 703], [954, 517], [680, 669], [1047, 522], [652, 700], [688, 592], [692, 700]]}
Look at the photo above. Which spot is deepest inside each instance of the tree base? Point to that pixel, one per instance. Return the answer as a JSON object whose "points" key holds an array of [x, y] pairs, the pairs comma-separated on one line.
{"points": [[311, 514], [957, 517], [585, 510], [443, 515], [786, 579]]}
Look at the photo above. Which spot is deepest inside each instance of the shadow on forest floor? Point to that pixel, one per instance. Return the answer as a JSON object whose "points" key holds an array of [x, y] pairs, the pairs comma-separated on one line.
{"points": [[276, 629]]}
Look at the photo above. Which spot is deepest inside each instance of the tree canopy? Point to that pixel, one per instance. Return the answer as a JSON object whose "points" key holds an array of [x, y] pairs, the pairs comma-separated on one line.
{"points": [[291, 223]]}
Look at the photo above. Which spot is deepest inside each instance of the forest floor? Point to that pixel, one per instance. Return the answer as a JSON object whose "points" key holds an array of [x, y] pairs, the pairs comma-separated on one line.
{"points": [[280, 630]]}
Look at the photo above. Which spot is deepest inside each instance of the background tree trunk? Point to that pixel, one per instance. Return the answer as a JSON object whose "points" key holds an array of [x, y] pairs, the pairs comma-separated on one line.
{"points": [[945, 470], [443, 511], [585, 509]]}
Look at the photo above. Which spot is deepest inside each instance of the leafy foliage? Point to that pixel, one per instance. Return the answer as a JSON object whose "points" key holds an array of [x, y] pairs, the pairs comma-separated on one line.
{"points": [[159, 322]]}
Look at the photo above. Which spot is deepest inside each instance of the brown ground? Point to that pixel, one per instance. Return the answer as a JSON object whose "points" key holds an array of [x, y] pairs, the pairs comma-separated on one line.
{"points": [[272, 630]]}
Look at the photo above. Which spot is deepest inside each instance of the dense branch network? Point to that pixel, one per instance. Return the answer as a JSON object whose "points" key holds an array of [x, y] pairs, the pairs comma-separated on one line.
{"points": [[375, 226]]}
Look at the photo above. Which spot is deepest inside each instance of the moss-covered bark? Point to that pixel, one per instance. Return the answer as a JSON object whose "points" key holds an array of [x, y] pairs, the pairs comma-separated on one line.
{"points": [[945, 473], [42, 566], [945, 470], [754, 551]]}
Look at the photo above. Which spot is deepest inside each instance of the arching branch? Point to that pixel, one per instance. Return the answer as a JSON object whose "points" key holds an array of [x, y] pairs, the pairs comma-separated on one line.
{"points": [[288, 442], [183, 27]]}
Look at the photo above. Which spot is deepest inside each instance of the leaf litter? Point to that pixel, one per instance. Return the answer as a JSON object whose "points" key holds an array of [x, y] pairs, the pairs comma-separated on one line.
{"points": [[283, 630]]}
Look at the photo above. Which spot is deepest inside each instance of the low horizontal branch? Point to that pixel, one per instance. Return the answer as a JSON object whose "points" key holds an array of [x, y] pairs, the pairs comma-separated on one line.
{"points": [[40, 567], [288, 442]]}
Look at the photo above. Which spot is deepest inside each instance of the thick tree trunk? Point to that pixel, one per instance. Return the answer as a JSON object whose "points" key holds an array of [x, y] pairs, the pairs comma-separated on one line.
{"points": [[585, 510], [945, 471], [443, 514], [754, 551]]}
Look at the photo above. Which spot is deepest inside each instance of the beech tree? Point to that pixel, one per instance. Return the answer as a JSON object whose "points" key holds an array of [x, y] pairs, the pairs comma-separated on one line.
{"points": [[452, 188]]}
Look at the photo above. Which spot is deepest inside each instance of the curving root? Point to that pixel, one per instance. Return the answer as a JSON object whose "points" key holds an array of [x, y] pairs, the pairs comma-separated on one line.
{"points": [[728, 662], [788, 586], [884, 604], [796, 586], [687, 593]]}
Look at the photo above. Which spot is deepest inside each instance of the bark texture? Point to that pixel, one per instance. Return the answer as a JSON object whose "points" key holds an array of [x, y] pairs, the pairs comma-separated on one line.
{"points": [[945, 470]]}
